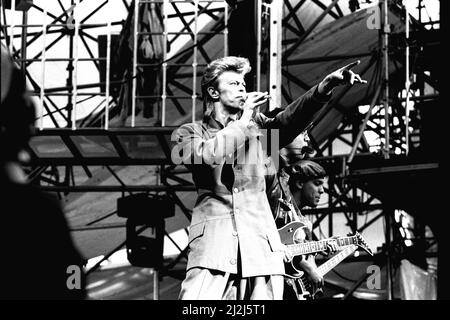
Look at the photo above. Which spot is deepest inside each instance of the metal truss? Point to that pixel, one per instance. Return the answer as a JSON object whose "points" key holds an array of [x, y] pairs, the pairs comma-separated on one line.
{"points": [[57, 174], [385, 117], [187, 63], [346, 194]]}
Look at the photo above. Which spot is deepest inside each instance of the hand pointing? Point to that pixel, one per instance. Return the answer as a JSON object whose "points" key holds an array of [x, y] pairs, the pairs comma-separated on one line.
{"points": [[342, 76]]}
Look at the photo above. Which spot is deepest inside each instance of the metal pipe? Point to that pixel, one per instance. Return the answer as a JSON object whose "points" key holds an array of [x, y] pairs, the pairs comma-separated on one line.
{"points": [[276, 18], [194, 61], [258, 44], [51, 25], [363, 126], [164, 65], [11, 35], [327, 58], [108, 71], [41, 99], [117, 188], [23, 46], [407, 82], [75, 70], [386, 30], [135, 38], [225, 30]]}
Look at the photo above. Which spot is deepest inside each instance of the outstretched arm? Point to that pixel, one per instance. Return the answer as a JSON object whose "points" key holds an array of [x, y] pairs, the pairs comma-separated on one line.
{"points": [[298, 115]]}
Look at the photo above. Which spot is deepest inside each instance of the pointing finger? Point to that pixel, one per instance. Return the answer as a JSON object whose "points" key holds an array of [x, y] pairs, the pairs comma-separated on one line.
{"points": [[351, 65]]}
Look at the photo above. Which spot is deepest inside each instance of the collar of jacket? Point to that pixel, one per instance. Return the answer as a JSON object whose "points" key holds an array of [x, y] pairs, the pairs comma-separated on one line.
{"points": [[211, 121]]}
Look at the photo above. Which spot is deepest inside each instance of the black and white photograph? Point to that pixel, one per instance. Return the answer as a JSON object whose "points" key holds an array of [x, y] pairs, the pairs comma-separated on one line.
{"points": [[206, 150]]}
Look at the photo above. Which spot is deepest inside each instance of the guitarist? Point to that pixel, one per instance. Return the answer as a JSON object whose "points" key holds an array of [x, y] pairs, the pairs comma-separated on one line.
{"points": [[297, 186]]}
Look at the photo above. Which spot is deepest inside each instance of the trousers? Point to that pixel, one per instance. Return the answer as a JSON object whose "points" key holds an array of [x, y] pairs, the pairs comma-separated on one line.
{"points": [[208, 284]]}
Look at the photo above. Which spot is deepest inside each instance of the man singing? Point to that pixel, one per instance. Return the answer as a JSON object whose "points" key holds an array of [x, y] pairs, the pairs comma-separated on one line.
{"points": [[235, 251]]}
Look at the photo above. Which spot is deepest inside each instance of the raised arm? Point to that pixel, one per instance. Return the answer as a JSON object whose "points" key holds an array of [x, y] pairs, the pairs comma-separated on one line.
{"points": [[339, 77], [298, 115]]}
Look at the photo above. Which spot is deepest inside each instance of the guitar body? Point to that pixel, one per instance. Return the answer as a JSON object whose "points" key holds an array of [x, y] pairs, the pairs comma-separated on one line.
{"points": [[292, 233], [303, 286], [294, 236]]}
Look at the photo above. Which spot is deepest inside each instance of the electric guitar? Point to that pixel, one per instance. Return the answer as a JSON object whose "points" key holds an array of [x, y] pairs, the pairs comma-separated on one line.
{"points": [[303, 287], [293, 235]]}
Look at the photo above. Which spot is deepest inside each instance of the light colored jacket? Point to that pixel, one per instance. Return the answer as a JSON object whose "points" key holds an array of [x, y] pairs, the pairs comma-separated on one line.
{"points": [[232, 227]]}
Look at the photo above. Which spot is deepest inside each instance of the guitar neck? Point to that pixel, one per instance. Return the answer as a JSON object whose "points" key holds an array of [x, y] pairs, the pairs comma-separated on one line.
{"points": [[325, 267], [317, 246]]}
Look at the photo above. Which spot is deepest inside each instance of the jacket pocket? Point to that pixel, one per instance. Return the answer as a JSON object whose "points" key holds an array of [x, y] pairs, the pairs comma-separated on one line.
{"points": [[196, 231]]}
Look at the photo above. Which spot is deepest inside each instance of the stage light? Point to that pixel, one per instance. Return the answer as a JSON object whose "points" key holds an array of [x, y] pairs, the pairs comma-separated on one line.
{"points": [[145, 212]]}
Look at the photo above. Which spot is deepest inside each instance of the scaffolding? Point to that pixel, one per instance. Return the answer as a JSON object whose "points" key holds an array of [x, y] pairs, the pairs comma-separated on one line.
{"points": [[73, 24], [396, 127], [105, 146], [389, 116]]}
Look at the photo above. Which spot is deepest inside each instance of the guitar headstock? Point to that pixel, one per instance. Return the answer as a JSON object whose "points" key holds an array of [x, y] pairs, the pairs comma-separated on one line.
{"points": [[360, 242]]}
